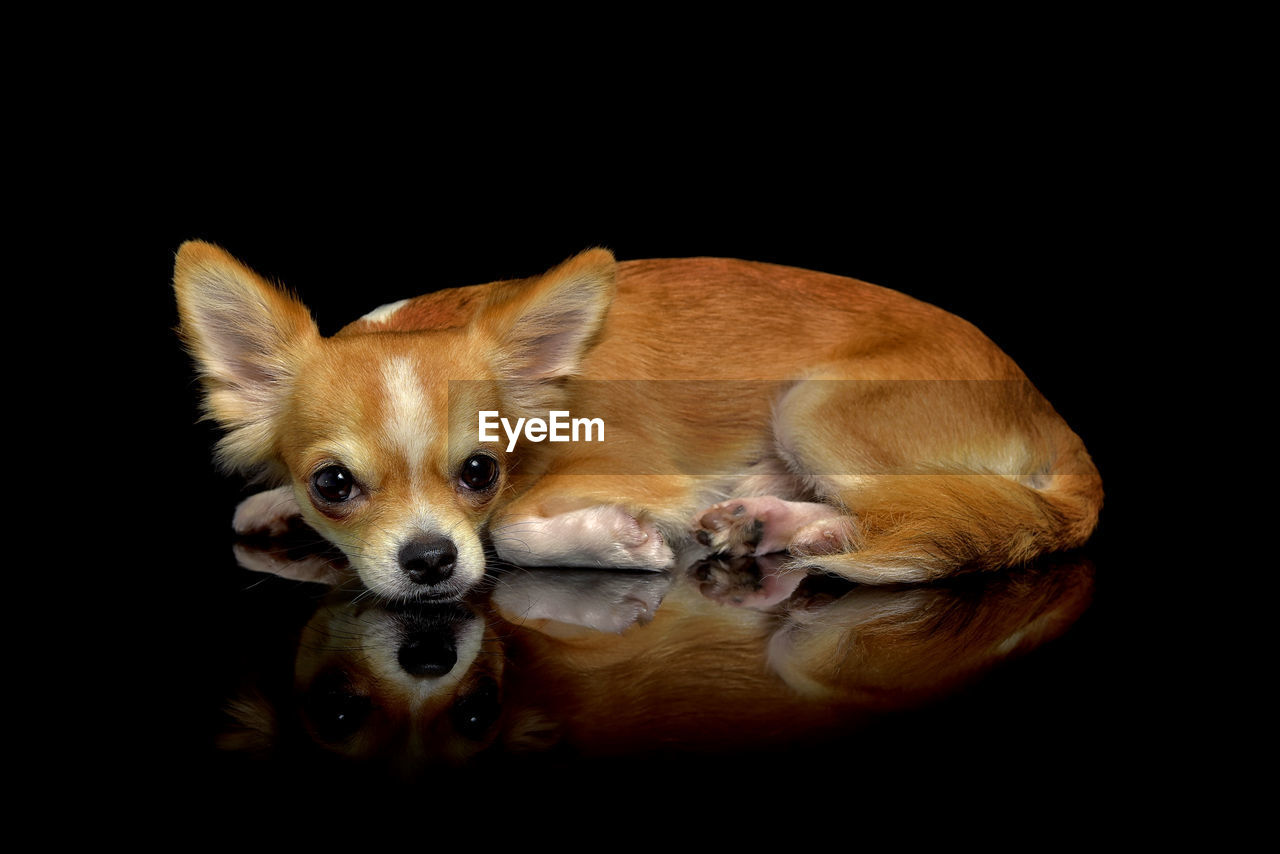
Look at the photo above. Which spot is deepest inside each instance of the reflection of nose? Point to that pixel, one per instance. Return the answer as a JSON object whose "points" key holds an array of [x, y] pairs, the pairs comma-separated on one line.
{"points": [[428, 560], [431, 653]]}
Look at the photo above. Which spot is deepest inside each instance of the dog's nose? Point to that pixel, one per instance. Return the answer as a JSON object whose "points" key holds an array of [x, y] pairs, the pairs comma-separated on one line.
{"points": [[430, 653], [428, 560]]}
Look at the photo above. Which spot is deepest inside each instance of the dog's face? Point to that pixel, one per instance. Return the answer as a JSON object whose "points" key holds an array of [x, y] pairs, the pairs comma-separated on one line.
{"points": [[364, 438], [360, 424]]}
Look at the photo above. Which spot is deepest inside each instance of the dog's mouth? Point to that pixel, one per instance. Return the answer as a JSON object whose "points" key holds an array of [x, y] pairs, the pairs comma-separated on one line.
{"points": [[392, 589], [427, 598], [420, 597], [396, 579]]}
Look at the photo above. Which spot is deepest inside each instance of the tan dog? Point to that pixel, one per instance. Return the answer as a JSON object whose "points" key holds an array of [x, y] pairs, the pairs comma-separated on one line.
{"points": [[758, 408]]}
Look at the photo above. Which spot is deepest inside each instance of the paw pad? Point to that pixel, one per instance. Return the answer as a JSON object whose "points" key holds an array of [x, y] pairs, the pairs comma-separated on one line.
{"points": [[733, 527]]}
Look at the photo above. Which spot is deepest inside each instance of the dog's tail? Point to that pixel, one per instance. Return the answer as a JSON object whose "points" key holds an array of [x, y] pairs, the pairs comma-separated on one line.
{"points": [[921, 527]]}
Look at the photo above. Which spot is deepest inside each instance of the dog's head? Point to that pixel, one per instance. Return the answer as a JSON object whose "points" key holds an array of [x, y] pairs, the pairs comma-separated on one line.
{"points": [[360, 423]]}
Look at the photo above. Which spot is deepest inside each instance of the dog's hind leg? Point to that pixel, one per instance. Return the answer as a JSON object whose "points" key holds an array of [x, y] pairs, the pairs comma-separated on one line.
{"points": [[919, 479], [918, 528]]}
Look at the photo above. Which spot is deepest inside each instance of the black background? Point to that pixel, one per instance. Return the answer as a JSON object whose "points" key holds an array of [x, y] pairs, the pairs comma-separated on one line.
{"points": [[1029, 245]]}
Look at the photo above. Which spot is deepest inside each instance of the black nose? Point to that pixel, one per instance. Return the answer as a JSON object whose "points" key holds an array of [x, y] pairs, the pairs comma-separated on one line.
{"points": [[431, 653], [428, 560]]}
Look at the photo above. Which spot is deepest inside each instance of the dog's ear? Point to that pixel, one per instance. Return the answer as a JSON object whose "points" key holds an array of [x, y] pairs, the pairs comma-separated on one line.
{"points": [[542, 327], [247, 337]]}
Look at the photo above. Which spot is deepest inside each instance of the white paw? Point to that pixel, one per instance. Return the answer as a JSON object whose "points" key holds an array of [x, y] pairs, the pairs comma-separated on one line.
{"points": [[642, 545], [605, 536], [266, 512]]}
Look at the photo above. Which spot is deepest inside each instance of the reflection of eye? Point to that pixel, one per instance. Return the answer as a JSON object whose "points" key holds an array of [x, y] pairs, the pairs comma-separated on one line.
{"points": [[475, 713], [333, 484], [479, 472], [335, 709]]}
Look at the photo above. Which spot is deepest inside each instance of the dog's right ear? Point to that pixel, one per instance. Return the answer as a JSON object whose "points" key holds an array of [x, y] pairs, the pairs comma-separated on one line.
{"points": [[248, 338]]}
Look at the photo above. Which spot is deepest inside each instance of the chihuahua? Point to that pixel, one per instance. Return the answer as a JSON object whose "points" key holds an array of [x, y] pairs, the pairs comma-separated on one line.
{"points": [[755, 409]]}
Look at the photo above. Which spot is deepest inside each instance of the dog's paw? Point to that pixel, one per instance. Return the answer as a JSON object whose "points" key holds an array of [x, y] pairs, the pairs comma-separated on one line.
{"points": [[266, 513], [643, 545], [603, 536], [764, 525]]}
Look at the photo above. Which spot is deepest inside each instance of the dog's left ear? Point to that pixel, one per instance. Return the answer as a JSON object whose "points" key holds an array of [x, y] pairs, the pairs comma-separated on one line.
{"points": [[544, 326]]}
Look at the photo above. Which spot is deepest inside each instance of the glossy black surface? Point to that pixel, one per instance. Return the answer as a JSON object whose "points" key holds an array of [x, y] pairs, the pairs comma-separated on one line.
{"points": [[548, 668]]}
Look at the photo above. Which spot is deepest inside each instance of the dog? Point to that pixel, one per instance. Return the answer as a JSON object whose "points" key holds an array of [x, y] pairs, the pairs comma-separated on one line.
{"points": [[754, 408]]}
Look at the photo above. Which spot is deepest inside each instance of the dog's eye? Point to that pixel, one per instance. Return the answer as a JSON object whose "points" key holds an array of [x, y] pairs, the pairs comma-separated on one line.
{"points": [[479, 472], [333, 484], [474, 714]]}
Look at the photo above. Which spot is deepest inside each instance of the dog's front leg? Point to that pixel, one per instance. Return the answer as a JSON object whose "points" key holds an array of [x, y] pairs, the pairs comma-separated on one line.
{"points": [[603, 536]]}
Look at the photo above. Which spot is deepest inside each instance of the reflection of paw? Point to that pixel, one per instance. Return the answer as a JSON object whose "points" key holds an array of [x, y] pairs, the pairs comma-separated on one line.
{"points": [[625, 613], [266, 513], [747, 582], [766, 525], [601, 601]]}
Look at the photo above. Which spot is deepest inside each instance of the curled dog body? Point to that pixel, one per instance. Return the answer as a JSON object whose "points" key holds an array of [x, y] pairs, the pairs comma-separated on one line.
{"points": [[751, 408]]}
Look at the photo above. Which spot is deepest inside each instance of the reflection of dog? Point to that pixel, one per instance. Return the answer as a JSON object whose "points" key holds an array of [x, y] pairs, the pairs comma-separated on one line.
{"points": [[415, 686], [707, 674], [832, 458], [605, 663]]}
